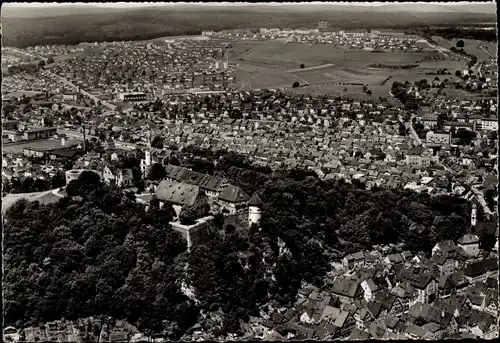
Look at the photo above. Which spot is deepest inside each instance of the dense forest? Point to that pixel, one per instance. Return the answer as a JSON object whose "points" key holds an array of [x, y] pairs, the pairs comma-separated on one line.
{"points": [[467, 33], [143, 24], [96, 253], [99, 252]]}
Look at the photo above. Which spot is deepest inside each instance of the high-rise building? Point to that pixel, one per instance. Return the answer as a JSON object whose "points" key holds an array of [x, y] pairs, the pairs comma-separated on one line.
{"points": [[322, 25]]}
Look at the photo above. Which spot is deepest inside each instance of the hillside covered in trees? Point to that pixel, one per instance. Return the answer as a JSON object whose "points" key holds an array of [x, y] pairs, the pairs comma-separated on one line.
{"points": [[98, 24], [100, 252]]}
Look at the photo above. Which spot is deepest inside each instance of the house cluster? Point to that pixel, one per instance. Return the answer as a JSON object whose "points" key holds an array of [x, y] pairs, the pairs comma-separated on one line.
{"points": [[353, 39], [373, 153], [11, 57], [155, 69], [453, 114], [45, 51], [91, 329], [21, 87], [389, 293], [15, 83], [338, 138]]}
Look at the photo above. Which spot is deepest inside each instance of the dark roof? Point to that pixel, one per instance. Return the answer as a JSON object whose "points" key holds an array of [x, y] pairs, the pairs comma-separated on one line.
{"points": [[346, 287], [440, 257], [395, 258], [482, 319], [475, 299], [177, 193], [374, 307], [430, 313], [391, 322], [448, 305], [277, 318], [360, 255], [385, 298], [416, 150], [357, 334], [204, 181], [177, 173], [67, 152], [418, 280], [255, 200], [233, 194], [481, 267]]}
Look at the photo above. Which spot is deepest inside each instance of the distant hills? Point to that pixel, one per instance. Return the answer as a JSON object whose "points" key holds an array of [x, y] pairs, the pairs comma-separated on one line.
{"points": [[65, 24], [16, 11], [33, 11]]}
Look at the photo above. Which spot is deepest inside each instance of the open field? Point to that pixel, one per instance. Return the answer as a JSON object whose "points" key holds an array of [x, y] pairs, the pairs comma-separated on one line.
{"points": [[470, 46], [450, 64], [250, 76], [344, 74], [275, 64], [323, 66], [282, 55], [459, 93], [354, 92]]}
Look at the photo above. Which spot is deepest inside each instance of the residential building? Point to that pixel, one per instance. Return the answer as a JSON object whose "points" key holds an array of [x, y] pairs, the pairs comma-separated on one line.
{"points": [[39, 133], [489, 124], [135, 96], [438, 137]]}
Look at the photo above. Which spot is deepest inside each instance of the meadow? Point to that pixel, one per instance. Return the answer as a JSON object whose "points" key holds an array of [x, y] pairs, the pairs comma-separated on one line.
{"points": [[292, 55], [275, 64], [471, 46]]}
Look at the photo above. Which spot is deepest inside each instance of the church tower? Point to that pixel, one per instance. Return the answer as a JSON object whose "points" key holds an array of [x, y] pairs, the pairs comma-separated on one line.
{"points": [[473, 216], [254, 210], [146, 162]]}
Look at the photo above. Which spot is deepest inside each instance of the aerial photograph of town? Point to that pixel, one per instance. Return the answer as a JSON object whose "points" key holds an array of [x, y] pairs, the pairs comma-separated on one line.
{"points": [[253, 171]]}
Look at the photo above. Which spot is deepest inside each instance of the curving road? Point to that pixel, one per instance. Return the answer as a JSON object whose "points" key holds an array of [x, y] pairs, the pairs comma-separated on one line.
{"points": [[91, 96], [84, 92], [480, 197]]}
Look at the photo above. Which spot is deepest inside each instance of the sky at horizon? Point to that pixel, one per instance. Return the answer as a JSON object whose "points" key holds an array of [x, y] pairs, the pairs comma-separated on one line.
{"points": [[139, 4]]}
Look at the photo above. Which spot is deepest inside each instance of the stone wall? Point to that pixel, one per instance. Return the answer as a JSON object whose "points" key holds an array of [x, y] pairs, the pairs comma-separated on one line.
{"points": [[239, 220], [200, 232]]}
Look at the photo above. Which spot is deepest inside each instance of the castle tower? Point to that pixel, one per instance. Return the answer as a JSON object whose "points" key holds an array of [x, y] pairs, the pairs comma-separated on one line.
{"points": [[147, 154], [147, 158], [254, 210], [473, 216]]}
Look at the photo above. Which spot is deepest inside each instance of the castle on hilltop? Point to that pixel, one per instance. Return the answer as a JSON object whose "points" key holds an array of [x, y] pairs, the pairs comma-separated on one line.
{"points": [[183, 188]]}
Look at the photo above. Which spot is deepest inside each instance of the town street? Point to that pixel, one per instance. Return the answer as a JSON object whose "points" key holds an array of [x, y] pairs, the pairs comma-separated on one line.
{"points": [[93, 97]]}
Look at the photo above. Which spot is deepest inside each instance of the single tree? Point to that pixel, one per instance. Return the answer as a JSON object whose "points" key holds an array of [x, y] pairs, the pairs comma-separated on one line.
{"points": [[296, 84], [302, 66], [460, 44], [157, 142], [157, 172], [188, 215]]}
